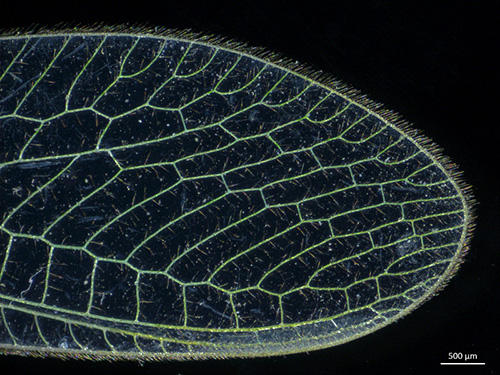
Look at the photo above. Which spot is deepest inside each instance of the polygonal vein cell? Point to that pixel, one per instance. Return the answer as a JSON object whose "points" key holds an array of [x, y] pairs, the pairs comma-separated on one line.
{"points": [[165, 197]]}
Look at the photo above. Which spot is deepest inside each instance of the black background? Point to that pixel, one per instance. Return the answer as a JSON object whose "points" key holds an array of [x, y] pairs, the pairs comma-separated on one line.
{"points": [[431, 61]]}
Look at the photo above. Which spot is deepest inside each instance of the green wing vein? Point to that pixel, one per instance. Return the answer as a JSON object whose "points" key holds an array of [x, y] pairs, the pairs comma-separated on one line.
{"points": [[162, 197]]}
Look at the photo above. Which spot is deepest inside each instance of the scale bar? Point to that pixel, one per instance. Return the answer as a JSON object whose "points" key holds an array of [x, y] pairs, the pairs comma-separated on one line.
{"points": [[463, 363]]}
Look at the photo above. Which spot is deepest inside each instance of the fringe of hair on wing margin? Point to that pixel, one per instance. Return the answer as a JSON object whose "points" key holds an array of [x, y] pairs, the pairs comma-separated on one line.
{"points": [[307, 72]]}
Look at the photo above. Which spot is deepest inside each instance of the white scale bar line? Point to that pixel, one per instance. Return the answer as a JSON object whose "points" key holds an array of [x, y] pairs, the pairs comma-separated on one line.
{"points": [[463, 363]]}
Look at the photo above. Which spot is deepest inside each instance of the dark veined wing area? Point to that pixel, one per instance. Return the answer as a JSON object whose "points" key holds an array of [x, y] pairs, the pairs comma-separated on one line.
{"points": [[174, 196]]}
